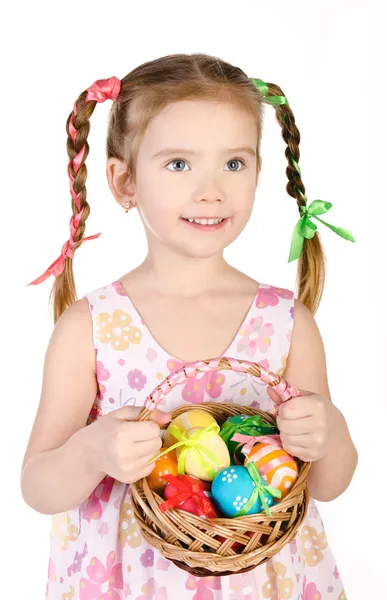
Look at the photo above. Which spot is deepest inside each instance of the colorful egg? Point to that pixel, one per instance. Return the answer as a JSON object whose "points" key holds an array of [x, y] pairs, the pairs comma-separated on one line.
{"points": [[276, 466], [192, 418], [200, 503], [165, 465], [214, 444], [251, 425], [231, 490]]}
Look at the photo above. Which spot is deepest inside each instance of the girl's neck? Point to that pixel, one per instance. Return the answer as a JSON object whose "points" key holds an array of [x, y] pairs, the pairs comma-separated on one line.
{"points": [[184, 276]]}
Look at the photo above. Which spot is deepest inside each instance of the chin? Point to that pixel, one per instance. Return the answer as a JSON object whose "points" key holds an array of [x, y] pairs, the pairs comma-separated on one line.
{"points": [[195, 252]]}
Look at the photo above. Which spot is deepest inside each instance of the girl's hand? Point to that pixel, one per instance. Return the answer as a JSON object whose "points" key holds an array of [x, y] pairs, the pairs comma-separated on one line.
{"points": [[123, 446], [308, 425]]}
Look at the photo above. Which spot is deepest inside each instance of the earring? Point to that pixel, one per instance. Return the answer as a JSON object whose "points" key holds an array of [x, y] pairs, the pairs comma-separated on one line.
{"points": [[127, 206]]}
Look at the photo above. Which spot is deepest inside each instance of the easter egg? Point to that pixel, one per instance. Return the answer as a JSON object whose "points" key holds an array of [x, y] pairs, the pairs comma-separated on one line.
{"points": [[252, 425], [188, 420], [199, 503], [165, 465], [231, 490], [276, 466], [215, 445]]}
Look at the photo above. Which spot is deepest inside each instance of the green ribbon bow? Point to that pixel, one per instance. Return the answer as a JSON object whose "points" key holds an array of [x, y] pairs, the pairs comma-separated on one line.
{"points": [[306, 229], [260, 487], [193, 443], [250, 426]]}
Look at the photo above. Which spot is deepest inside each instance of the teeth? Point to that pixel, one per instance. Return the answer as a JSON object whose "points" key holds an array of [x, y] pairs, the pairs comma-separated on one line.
{"points": [[205, 221]]}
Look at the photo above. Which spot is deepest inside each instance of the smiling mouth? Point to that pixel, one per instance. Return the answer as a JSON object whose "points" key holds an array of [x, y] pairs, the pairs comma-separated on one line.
{"points": [[205, 221]]}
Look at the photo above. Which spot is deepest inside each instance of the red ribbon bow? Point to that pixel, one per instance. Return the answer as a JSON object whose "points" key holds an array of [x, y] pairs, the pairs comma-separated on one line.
{"points": [[186, 491]]}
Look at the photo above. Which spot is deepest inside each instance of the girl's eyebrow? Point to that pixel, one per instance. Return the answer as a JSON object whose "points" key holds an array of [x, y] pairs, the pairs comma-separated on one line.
{"points": [[168, 151]]}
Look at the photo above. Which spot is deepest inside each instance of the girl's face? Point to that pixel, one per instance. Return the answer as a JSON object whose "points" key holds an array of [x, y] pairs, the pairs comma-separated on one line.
{"points": [[204, 177]]}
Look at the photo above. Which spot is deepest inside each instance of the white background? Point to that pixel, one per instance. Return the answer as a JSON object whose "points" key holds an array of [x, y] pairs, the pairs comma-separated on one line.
{"points": [[319, 53]]}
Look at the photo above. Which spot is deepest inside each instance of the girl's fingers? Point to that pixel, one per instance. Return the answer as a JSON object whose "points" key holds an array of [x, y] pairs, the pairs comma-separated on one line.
{"points": [[296, 441], [296, 426], [148, 448]]}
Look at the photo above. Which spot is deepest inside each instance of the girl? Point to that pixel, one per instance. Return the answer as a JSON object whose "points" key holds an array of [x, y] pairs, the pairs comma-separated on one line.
{"points": [[183, 147]]}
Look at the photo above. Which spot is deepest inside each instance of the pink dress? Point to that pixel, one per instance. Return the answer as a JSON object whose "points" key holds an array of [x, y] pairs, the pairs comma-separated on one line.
{"points": [[97, 551]]}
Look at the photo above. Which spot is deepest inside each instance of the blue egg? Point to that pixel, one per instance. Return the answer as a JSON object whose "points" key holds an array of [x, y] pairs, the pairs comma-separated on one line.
{"points": [[232, 488]]}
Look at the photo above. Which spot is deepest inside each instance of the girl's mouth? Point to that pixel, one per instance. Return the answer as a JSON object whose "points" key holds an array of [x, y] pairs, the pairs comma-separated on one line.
{"points": [[206, 224]]}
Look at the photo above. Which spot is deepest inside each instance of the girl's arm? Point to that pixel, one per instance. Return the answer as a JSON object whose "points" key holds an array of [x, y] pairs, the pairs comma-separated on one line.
{"points": [[330, 475], [59, 471]]}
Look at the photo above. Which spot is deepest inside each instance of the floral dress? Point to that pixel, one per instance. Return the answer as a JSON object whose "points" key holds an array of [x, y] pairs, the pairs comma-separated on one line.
{"points": [[97, 551]]}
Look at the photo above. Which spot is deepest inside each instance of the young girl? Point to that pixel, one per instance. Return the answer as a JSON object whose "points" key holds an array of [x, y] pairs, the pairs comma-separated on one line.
{"points": [[183, 148]]}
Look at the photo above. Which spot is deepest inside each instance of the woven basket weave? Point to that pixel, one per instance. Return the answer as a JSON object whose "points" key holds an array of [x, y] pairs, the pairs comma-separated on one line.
{"points": [[188, 540]]}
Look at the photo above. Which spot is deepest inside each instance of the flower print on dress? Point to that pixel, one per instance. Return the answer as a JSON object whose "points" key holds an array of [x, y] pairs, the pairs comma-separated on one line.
{"points": [[277, 586], [163, 564], [77, 563], [241, 588], [51, 574], [102, 374], [147, 558], [101, 494], [63, 531], [70, 595], [310, 591], [255, 334], [129, 532], [119, 289], [195, 388], [152, 591], [312, 545], [115, 329], [137, 380], [103, 529], [203, 586], [104, 581], [270, 296], [244, 398]]}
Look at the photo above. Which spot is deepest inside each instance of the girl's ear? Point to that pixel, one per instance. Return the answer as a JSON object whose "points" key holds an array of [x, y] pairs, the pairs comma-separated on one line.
{"points": [[119, 182]]}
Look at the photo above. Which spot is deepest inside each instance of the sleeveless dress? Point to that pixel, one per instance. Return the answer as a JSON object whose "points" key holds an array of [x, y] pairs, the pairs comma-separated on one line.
{"points": [[97, 551]]}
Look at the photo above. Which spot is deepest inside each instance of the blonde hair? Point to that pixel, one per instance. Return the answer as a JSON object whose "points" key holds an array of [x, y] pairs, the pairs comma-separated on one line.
{"points": [[144, 92]]}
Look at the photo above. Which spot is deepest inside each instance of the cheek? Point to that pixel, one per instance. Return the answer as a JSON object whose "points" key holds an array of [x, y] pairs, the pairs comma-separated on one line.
{"points": [[157, 216], [241, 216]]}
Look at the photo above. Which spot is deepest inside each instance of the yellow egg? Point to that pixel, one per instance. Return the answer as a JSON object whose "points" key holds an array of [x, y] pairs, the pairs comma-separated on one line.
{"points": [[165, 465], [192, 418], [216, 445]]}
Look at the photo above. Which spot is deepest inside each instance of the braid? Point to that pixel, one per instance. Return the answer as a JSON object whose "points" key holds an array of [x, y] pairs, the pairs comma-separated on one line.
{"points": [[311, 264], [77, 128]]}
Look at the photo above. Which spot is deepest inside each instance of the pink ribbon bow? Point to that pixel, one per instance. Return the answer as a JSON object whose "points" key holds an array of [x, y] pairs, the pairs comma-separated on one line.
{"points": [[250, 440], [56, 268]]}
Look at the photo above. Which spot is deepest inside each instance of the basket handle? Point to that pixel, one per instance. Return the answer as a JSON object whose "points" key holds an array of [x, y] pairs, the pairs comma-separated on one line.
{"points": [[224, 363]]}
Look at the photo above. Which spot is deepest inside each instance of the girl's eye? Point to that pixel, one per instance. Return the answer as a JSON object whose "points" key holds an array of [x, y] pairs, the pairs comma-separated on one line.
{"points": [[180, 160]]}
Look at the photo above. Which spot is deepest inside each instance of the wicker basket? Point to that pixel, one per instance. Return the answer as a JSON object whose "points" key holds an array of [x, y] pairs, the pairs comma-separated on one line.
{"points": [[188, 540]]}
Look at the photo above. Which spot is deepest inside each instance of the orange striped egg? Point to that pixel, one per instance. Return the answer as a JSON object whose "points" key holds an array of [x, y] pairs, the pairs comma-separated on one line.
{"points": [[275, 465]]}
